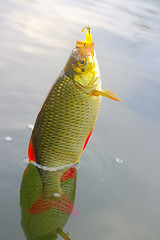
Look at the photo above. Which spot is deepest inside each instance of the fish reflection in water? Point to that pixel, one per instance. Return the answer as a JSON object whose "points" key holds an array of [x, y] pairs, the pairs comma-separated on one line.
{"points": [[44, 212]]}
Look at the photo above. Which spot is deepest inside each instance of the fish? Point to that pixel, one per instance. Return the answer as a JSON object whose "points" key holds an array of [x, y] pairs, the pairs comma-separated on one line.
{"points": [[68, 115]]}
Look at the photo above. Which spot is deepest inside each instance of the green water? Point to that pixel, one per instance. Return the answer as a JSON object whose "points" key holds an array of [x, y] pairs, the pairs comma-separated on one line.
{"points": [[118, 178]]}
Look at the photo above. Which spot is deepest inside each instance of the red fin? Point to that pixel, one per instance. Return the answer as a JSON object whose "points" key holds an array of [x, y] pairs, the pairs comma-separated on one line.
{"points": [[87, 139], [40, 206], [68, 174], [64, 204], [31, 153]]}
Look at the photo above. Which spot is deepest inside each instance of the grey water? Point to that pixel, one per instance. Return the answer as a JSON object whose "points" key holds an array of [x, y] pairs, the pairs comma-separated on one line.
{"points": [[118, 177]]}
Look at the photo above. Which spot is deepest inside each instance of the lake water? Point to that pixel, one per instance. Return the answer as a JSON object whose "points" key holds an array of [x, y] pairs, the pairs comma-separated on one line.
{"points": [[118, 177]]}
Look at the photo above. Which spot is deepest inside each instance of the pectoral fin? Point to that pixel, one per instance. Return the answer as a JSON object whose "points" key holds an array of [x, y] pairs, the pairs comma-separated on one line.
{"points": [[106, 93]]}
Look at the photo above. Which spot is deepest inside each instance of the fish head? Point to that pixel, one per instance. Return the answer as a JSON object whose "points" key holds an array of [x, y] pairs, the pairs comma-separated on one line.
{"points": [[84, 60], [82, 65]]}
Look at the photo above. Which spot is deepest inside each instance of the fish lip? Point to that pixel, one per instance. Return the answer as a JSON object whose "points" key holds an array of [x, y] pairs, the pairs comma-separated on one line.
{"points": [[87, 47]]}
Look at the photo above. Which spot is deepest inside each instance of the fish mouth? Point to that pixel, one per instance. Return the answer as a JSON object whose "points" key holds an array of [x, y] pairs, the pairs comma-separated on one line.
{"points": [[85, 47]]}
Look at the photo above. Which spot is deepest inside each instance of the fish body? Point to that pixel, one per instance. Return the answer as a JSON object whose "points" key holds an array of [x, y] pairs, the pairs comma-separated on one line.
{"points": [[70, 111]]}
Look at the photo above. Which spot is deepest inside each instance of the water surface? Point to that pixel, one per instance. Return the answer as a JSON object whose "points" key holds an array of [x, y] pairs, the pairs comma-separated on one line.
{"points": [[117, 199]]}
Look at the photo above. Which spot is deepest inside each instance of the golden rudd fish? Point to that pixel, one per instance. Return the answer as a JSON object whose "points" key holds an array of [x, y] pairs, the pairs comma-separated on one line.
{"points": [[69, 113]]}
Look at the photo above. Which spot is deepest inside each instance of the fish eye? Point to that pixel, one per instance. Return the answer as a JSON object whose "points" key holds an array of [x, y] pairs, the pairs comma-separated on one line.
{"points": [[81, 62]]}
